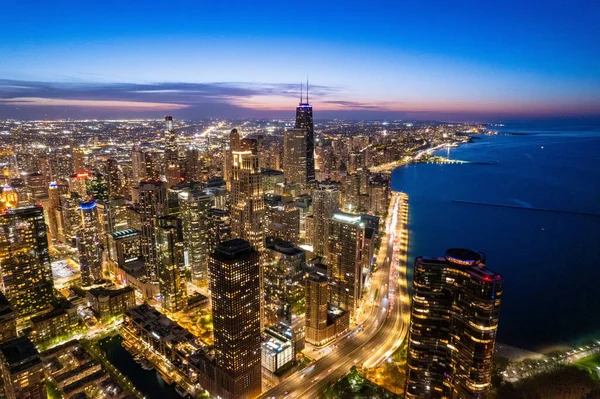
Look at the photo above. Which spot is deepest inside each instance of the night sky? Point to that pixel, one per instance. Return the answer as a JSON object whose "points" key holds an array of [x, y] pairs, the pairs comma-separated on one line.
{"points": [[451, 60]]}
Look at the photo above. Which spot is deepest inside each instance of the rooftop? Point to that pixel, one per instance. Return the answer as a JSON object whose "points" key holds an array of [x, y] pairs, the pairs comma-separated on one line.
{"points": [[349, 218], [20, 354], [101, 291], [233, 249], [127, 233]]}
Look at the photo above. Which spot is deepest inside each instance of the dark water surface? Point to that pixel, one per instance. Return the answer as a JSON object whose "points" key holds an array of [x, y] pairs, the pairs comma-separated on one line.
{"points": [[550, 261], [148, 382]]}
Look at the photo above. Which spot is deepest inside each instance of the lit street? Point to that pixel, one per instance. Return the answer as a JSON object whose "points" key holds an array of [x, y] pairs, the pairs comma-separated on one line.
{"points": [[385, 326]]}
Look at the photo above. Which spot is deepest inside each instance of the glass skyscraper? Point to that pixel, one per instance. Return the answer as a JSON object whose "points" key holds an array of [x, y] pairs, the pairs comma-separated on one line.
{"points": [[25, 260], [453, 325]]}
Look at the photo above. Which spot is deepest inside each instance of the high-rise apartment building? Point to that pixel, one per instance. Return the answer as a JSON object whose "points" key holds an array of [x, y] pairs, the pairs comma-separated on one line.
{"points": [[345, 243], [219, 228], [235, 293], [153, 204], [304, 120], [323, 321], [317, 298], [170, 250], [138, 167], [193, 168], [282, 218], [247, 203], [453, 325], [25, 261], [88, 243], [325, 202], [295, 165], [351, 193], [283, 287], [194, 207], [77, 157]]}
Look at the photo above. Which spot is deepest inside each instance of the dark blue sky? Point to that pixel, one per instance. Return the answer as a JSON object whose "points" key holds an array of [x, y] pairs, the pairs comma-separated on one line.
{"points": [[405, 59]]}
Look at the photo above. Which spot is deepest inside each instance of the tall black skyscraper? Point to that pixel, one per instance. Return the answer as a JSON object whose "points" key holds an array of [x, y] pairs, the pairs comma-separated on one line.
{"points": [[235, 291], [304, 120]]}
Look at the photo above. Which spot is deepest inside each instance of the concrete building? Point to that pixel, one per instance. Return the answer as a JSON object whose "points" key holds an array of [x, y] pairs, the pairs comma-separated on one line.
{"points": [[323, 322], [235, 293], [247, 203], [108, 303]]}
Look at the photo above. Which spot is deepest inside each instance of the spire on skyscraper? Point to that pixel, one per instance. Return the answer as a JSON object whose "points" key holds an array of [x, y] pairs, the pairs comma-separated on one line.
{"points": [[307, 90], [300, 92]]}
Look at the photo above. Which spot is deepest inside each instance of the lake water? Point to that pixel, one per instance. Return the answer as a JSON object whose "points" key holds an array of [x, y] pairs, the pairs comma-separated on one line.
{"points": [[550, 261]]}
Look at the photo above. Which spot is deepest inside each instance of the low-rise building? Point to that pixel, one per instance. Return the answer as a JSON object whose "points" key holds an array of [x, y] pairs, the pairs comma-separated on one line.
{"points": [[107, 303], [277, 351], [59, 321]]}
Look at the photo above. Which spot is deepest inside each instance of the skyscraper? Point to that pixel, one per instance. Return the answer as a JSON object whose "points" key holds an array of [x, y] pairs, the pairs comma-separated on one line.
{"points": [[170, 263], [295, 165], [344, 255], [453, 325], [25, 261], [77, 157], [172, 168], [282, 218], [153, 204], [317, 298], [304, 120], [235, 293], [52, 210], [88, 243], [283, 282], [247, 202], [193, 167], [194, 206], [138, 167], [325, 202]]}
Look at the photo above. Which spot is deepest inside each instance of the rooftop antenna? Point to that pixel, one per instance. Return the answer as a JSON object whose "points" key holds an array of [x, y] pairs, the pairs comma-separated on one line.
{"points": [[307, 89], [300, 92]]}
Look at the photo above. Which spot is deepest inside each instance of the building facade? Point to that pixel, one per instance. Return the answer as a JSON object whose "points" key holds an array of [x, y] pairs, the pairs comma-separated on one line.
{"points": [[295, 165], [345, 244], [170, 249], [194, 208], [25, 260], [453, 325], [247, 203], [235, 292], [304, 120], [88, 243], [325, 202], [153, 204]]}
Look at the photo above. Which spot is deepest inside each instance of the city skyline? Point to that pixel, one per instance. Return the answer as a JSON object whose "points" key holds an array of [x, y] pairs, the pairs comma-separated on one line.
{"points": [[463, 62]]}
